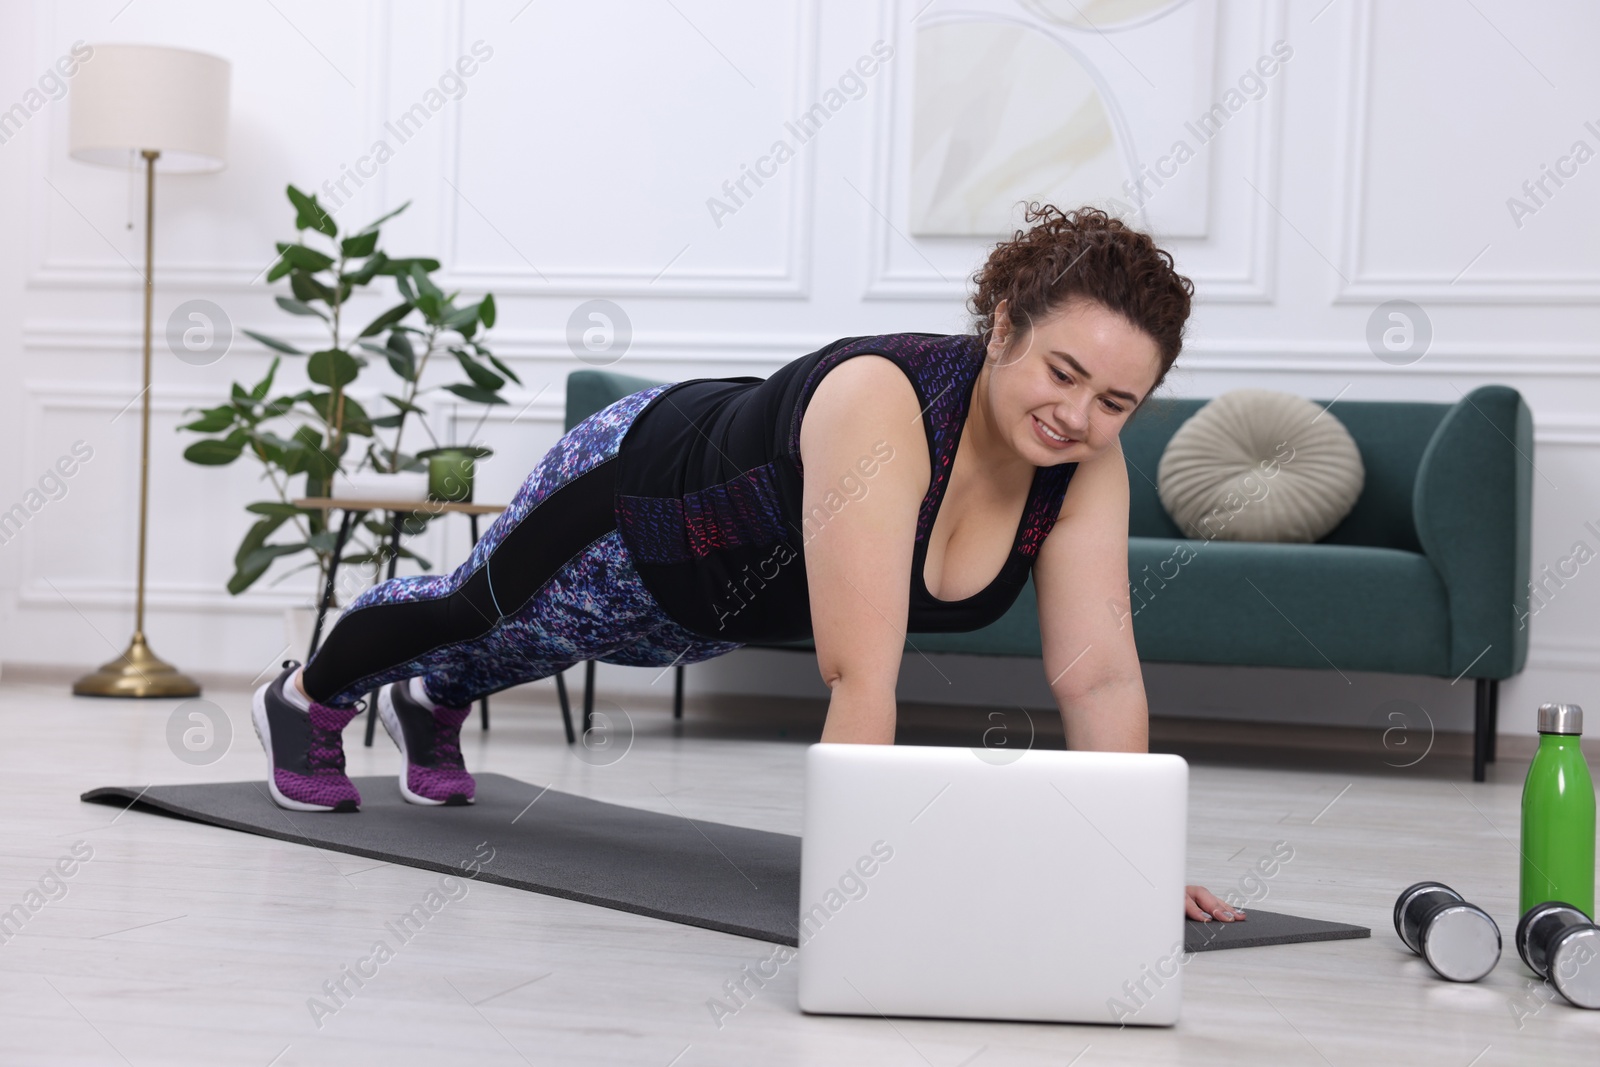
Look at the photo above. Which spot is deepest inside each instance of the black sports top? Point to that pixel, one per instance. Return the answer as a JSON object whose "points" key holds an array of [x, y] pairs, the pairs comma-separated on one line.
{"points": [[708, 493]]}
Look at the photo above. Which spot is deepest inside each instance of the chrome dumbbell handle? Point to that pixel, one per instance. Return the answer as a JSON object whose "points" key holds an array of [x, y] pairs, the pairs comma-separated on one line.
{"points": [[1460, 941], [1537, 929], [1559, 943], [1409, 905]]}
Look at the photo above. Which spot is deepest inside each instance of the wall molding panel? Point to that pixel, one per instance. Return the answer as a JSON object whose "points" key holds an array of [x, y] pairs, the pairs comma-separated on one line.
{"points": [[576, 163], [1361, 286]]}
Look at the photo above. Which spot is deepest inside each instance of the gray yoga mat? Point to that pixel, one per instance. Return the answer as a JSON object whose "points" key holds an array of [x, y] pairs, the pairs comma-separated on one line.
{"points": [[700, 873], [1265, 928]]}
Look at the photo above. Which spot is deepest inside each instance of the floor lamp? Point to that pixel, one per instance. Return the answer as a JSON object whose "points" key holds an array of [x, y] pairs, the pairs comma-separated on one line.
{"points": [[169, 108]]}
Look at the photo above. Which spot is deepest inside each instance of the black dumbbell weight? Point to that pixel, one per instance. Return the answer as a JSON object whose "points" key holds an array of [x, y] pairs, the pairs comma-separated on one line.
{"points": [[1459, 940], [1561, 945]]}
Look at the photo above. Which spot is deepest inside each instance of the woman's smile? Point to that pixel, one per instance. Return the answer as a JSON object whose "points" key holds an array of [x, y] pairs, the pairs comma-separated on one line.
{"points": [[1049, 436]]}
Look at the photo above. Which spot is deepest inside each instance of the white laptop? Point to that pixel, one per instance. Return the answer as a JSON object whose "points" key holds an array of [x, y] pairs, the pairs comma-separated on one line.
{"points": [[983, 884]]}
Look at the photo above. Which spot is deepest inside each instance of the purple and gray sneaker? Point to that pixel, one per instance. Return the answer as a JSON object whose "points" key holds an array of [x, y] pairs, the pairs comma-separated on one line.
{"points": [[430, 743], [305, 752]]}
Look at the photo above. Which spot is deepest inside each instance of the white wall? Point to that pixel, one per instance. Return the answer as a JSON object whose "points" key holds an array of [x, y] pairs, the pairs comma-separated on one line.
{"points": [[577, 165]]}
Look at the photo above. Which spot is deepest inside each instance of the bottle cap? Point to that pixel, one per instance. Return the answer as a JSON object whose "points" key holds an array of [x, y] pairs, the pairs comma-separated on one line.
{"points": [[1560, 719]]}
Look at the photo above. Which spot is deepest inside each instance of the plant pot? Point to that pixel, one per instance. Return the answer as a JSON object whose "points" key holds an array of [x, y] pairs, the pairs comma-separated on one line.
{"points": [[450, 471], [403, 486]]}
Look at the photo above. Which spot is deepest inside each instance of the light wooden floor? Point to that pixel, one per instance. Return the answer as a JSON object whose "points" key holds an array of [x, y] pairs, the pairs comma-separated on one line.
{"points": [[178, 943]]}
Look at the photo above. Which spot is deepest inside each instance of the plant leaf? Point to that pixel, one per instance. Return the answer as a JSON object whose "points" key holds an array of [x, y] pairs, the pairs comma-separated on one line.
{"points": [[371, 268], [406, 553], [473, 393], [259, 392], [273, 342], [307, 435], [305, 258], [307, 288], [268, 447], [359, 246], [381, 219], [419, 275], [309, 214], [507, 371], [399, 267], [243, 577], [255, 564], [213, 420], [274, 508], [305, 454], [323, 540], [486, 310], [256, 536], [213, 452], [463, 317], [481, 376], [402, 357], [333, 367], [356, 419], [387, 319], [403, 404], [295, 307], [326, 406], [268, 553]]}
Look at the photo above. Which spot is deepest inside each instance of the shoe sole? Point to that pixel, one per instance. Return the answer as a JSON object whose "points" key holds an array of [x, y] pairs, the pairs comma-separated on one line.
{"points": [[258, 716], [391, 726]]}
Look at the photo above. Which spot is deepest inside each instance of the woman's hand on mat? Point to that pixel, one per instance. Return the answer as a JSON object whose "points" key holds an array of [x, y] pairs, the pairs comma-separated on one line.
{"points": [[1201, 904]]}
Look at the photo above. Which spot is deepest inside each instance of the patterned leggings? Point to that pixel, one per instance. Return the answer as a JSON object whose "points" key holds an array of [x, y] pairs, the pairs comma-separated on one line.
{"points": [[549, 585]]}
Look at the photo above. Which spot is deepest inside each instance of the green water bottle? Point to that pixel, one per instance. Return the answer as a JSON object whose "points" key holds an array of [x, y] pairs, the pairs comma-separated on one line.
{"points": [[1558, 815]]}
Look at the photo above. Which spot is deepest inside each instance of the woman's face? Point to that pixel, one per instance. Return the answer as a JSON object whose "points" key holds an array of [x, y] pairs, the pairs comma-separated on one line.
{"points": [[1078, 373]]}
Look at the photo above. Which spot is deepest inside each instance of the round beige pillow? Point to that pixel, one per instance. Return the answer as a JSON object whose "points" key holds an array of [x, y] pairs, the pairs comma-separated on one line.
{"points": [[1257, 465]]}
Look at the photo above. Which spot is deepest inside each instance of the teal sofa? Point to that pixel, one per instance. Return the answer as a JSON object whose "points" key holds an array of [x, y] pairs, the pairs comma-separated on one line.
{"points": [[1427, 575]]}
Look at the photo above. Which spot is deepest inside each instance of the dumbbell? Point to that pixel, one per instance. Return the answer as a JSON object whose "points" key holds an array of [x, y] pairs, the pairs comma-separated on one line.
{"points": [[1459, 940], [1560, 944]]}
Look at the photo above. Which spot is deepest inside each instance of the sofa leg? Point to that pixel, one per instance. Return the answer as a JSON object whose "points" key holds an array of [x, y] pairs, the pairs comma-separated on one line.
{"points": [[1481, 735], [588, 696], [566, 708], [677, 694], [1494, 715]]}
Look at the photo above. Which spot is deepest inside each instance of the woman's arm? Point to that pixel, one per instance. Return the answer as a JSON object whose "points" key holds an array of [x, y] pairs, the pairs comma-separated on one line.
{"points": [[864, 458], [1081, 577], [1086, 625]]}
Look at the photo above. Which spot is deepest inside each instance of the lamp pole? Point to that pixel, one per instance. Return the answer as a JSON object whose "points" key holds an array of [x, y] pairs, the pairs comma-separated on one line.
{"points": [[139, 672]]}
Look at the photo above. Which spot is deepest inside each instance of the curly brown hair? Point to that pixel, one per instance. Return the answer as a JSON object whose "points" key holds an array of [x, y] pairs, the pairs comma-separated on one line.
{"points": [[1084, 253]]}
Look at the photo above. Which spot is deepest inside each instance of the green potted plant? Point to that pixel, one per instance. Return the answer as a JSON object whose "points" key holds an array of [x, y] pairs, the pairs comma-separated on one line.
{"points": [[452, 467], [323, 432], [451, 470]]}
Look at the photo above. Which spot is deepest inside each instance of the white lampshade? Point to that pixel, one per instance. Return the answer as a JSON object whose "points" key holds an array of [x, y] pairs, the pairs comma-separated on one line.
{"points": [[128, 97]]}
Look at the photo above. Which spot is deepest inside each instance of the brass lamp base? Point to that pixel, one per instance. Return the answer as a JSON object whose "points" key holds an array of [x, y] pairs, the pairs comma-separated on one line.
{"points": [[138, 672]]}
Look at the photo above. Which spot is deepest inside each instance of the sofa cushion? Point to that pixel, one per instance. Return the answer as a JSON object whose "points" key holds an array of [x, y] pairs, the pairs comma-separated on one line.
{"points": [[1258, 465]]}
